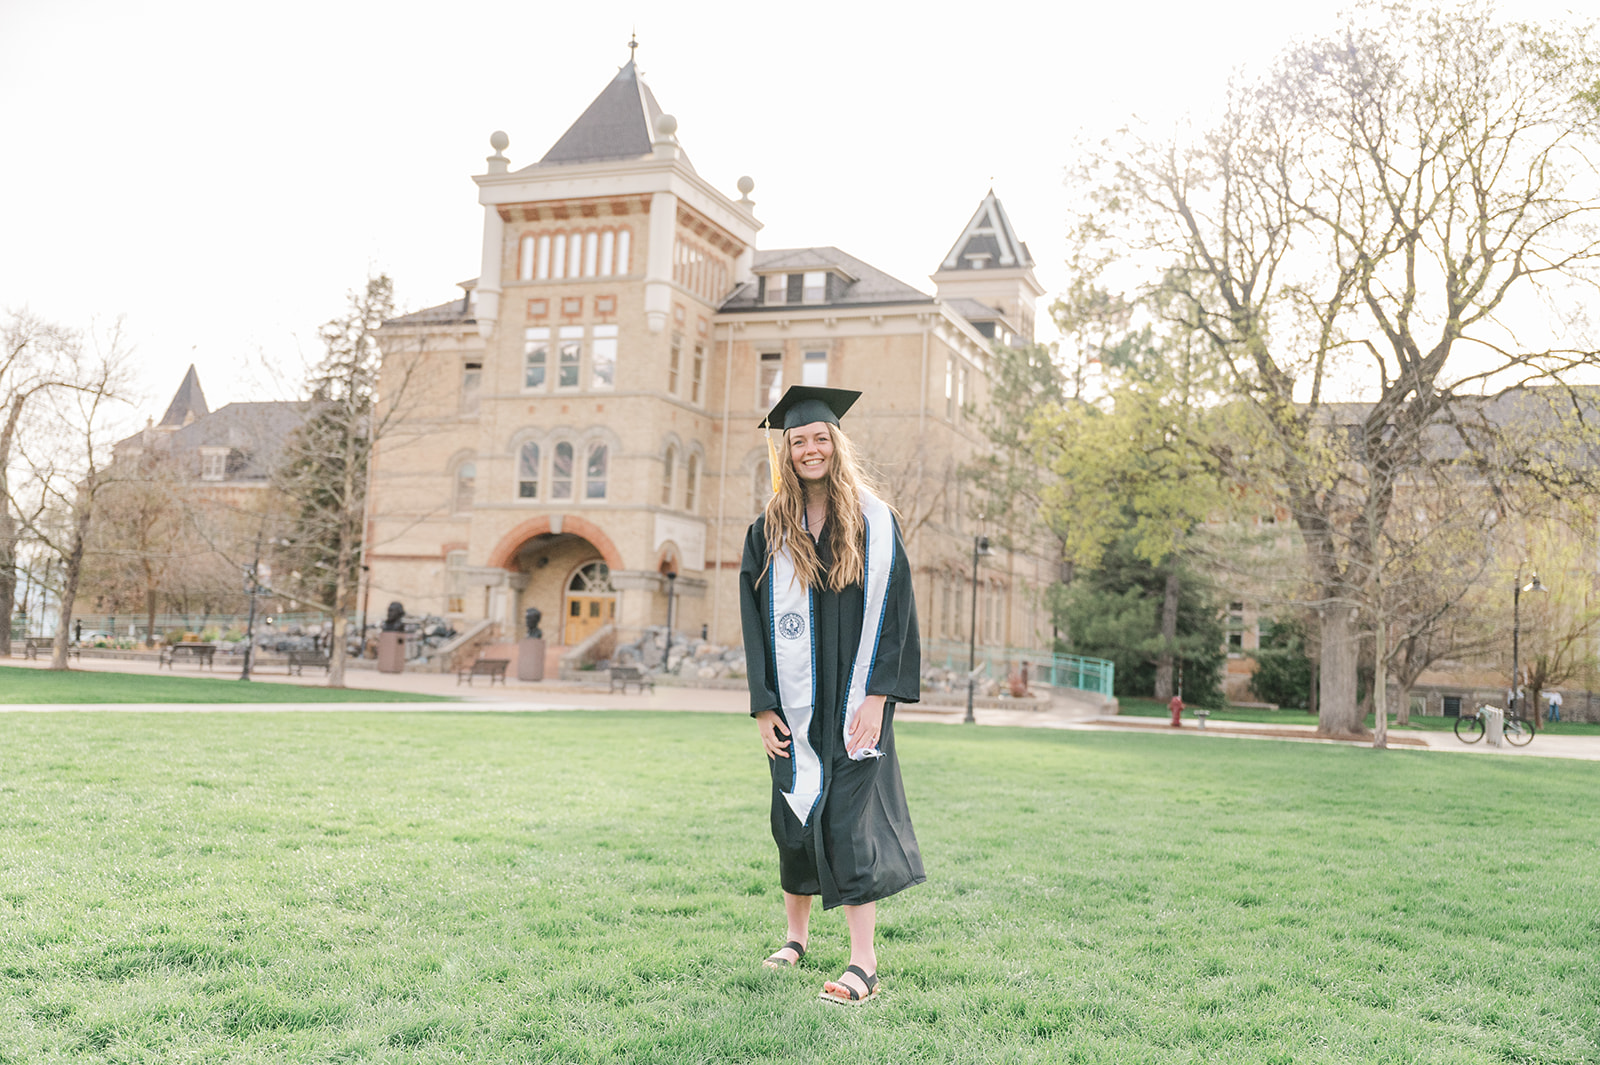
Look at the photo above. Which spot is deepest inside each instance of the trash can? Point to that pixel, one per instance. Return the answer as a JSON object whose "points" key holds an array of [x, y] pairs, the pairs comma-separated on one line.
{"points": [[1494, 724]]}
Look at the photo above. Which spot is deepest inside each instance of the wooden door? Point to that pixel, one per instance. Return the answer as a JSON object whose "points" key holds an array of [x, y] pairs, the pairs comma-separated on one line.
{"points": [[585, 614]]}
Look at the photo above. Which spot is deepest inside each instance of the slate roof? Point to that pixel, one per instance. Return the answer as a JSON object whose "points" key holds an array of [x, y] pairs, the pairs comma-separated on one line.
{"points": [[254, 432], [457, 310], [973, 310], [988, 233], [188, 400], [619, 124], [870, 285]]}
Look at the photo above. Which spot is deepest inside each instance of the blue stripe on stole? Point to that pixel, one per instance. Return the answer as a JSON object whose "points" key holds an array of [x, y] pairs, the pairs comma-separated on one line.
{"points": [[772, 636]]}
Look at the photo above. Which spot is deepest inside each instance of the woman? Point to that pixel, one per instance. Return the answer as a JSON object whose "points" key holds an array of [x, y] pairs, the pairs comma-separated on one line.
{"points": [[830, 638]]}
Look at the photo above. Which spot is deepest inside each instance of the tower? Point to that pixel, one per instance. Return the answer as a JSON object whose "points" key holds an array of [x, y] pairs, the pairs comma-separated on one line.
{"points": [[988, 265]]}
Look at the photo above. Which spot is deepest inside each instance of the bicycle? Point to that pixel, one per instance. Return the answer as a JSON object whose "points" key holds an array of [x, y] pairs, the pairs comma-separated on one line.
{"points": [[1517, 729]]}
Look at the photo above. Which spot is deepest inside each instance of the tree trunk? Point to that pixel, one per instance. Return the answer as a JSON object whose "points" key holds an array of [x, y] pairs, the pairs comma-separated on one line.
{"points": [[1402, 706], [1169, 636], [1337, 713], [73, 566], [8, 569], [1380, 686], [8, 527], [150, 617]]}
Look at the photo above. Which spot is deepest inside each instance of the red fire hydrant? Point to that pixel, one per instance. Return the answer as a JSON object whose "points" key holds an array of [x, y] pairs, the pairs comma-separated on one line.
{"points": [[1176, 706]]}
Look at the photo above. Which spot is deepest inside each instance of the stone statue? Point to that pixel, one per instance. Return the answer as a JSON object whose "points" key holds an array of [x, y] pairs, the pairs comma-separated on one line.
{"points": [[531, 618], [394, 621]]}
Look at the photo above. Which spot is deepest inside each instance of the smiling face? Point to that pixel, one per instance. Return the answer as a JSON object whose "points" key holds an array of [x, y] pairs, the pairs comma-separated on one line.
{"points": [[811, 451]]}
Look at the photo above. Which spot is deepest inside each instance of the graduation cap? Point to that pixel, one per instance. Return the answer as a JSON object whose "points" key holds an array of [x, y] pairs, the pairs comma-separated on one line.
{"points": [[802, 405]]}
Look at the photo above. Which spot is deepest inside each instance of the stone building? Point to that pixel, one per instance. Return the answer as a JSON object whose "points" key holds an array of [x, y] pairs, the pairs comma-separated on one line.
{"points": [[577, 431]]}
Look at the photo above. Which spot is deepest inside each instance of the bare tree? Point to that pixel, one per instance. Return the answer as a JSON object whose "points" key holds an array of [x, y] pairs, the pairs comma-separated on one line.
{"points": [[1358, 222], [35, 355], [66, 455]]}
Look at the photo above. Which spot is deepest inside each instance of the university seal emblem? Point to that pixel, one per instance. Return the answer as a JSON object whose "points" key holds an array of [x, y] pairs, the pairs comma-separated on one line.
{"points": [[791, 626]]}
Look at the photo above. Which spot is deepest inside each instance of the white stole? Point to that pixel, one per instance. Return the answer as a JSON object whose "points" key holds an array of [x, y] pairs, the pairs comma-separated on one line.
{"points": [[793, 637]]}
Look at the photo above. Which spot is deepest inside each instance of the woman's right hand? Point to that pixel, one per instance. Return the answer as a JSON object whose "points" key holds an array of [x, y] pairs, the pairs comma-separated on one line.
{"points": [[777, 747]]}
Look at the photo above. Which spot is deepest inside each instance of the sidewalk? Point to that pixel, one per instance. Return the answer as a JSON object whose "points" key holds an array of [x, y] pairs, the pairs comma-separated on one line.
{"points": [[523, 697]]}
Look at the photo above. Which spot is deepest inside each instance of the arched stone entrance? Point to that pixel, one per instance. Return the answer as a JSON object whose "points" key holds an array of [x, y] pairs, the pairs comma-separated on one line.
{"points": [[557, 563]]}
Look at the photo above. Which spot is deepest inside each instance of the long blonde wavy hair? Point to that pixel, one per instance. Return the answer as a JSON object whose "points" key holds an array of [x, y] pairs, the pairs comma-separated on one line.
{"points": [[846, 529]]}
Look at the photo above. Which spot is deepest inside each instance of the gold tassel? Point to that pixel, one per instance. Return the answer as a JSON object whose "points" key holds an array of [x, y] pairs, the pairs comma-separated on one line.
{"points": [[772, 463]]}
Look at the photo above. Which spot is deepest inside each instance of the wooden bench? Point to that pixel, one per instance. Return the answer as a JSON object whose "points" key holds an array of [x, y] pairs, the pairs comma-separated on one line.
{"points": [[626, 675], [299, 660], [203, 654], [493, 668], [34, 644]]}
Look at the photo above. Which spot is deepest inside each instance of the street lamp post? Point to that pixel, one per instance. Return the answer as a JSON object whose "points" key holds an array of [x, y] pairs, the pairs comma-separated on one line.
{"points": [[1514, 700], [980, 549], [666, 653]]}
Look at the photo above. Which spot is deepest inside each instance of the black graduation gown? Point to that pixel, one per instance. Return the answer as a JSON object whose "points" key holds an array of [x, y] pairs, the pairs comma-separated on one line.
{"points": [[858, 845]]}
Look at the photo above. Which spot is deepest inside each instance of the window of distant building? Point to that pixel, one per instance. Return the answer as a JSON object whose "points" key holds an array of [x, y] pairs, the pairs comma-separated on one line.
{"points": [[669, 467], [535, 356], [455, 564], [213, 464], [769, 386], [1235, 628], [674, 359], [594, 472], [561, 472], [697, 375], [465, 487], [814, 371], [603, 357], [528, 471], [691, 484], [471, 384], [950, 388], [775, 289], [569, 354], [814, 288], [760, 486]]}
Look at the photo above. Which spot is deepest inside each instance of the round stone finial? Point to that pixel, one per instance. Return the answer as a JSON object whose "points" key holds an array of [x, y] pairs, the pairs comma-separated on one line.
{"points": [[499, 141], [666, 125], [747, 185]]}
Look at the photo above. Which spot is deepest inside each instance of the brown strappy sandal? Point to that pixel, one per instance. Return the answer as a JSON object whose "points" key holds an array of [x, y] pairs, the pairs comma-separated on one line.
{"points": [[775, 962], [855, 999]]}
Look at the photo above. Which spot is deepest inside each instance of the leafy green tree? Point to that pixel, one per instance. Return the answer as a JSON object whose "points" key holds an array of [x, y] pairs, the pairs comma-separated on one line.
{"points": [[1359, 222], [1284, 670], [1115, 610]]}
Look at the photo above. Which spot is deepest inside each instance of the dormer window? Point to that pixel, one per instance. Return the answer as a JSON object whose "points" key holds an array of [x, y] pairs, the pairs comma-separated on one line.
{"points": [[213, 463], [815, 287], [777, 289]]}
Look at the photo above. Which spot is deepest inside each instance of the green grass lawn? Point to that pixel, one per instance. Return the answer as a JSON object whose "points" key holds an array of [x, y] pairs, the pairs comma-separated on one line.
{"points": [[1134, 707], [601, 887], [20, 685]]}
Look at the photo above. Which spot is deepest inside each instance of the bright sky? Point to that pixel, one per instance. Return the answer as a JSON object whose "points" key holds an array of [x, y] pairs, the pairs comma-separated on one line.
{"points": [[223, 174]]}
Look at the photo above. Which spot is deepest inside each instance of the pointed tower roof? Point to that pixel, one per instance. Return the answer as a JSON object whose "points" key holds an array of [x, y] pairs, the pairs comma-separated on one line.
{"points": [[619, 124], [988, 242], [188, 404]]}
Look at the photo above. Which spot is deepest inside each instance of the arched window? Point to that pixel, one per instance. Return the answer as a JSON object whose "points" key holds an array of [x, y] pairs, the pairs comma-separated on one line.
{"points": [[666, 475], [760, 487], [466, 481], [691, 484], [528, 471], [594, 473], [525, 259], [561, 472]]}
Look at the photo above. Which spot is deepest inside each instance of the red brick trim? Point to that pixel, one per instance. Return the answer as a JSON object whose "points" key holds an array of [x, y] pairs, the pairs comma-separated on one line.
{"points": [[506, 550]]}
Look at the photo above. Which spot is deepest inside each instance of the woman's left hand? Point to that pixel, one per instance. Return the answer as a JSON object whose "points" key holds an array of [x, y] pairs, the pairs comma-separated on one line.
{"points": [[868, 725]]}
